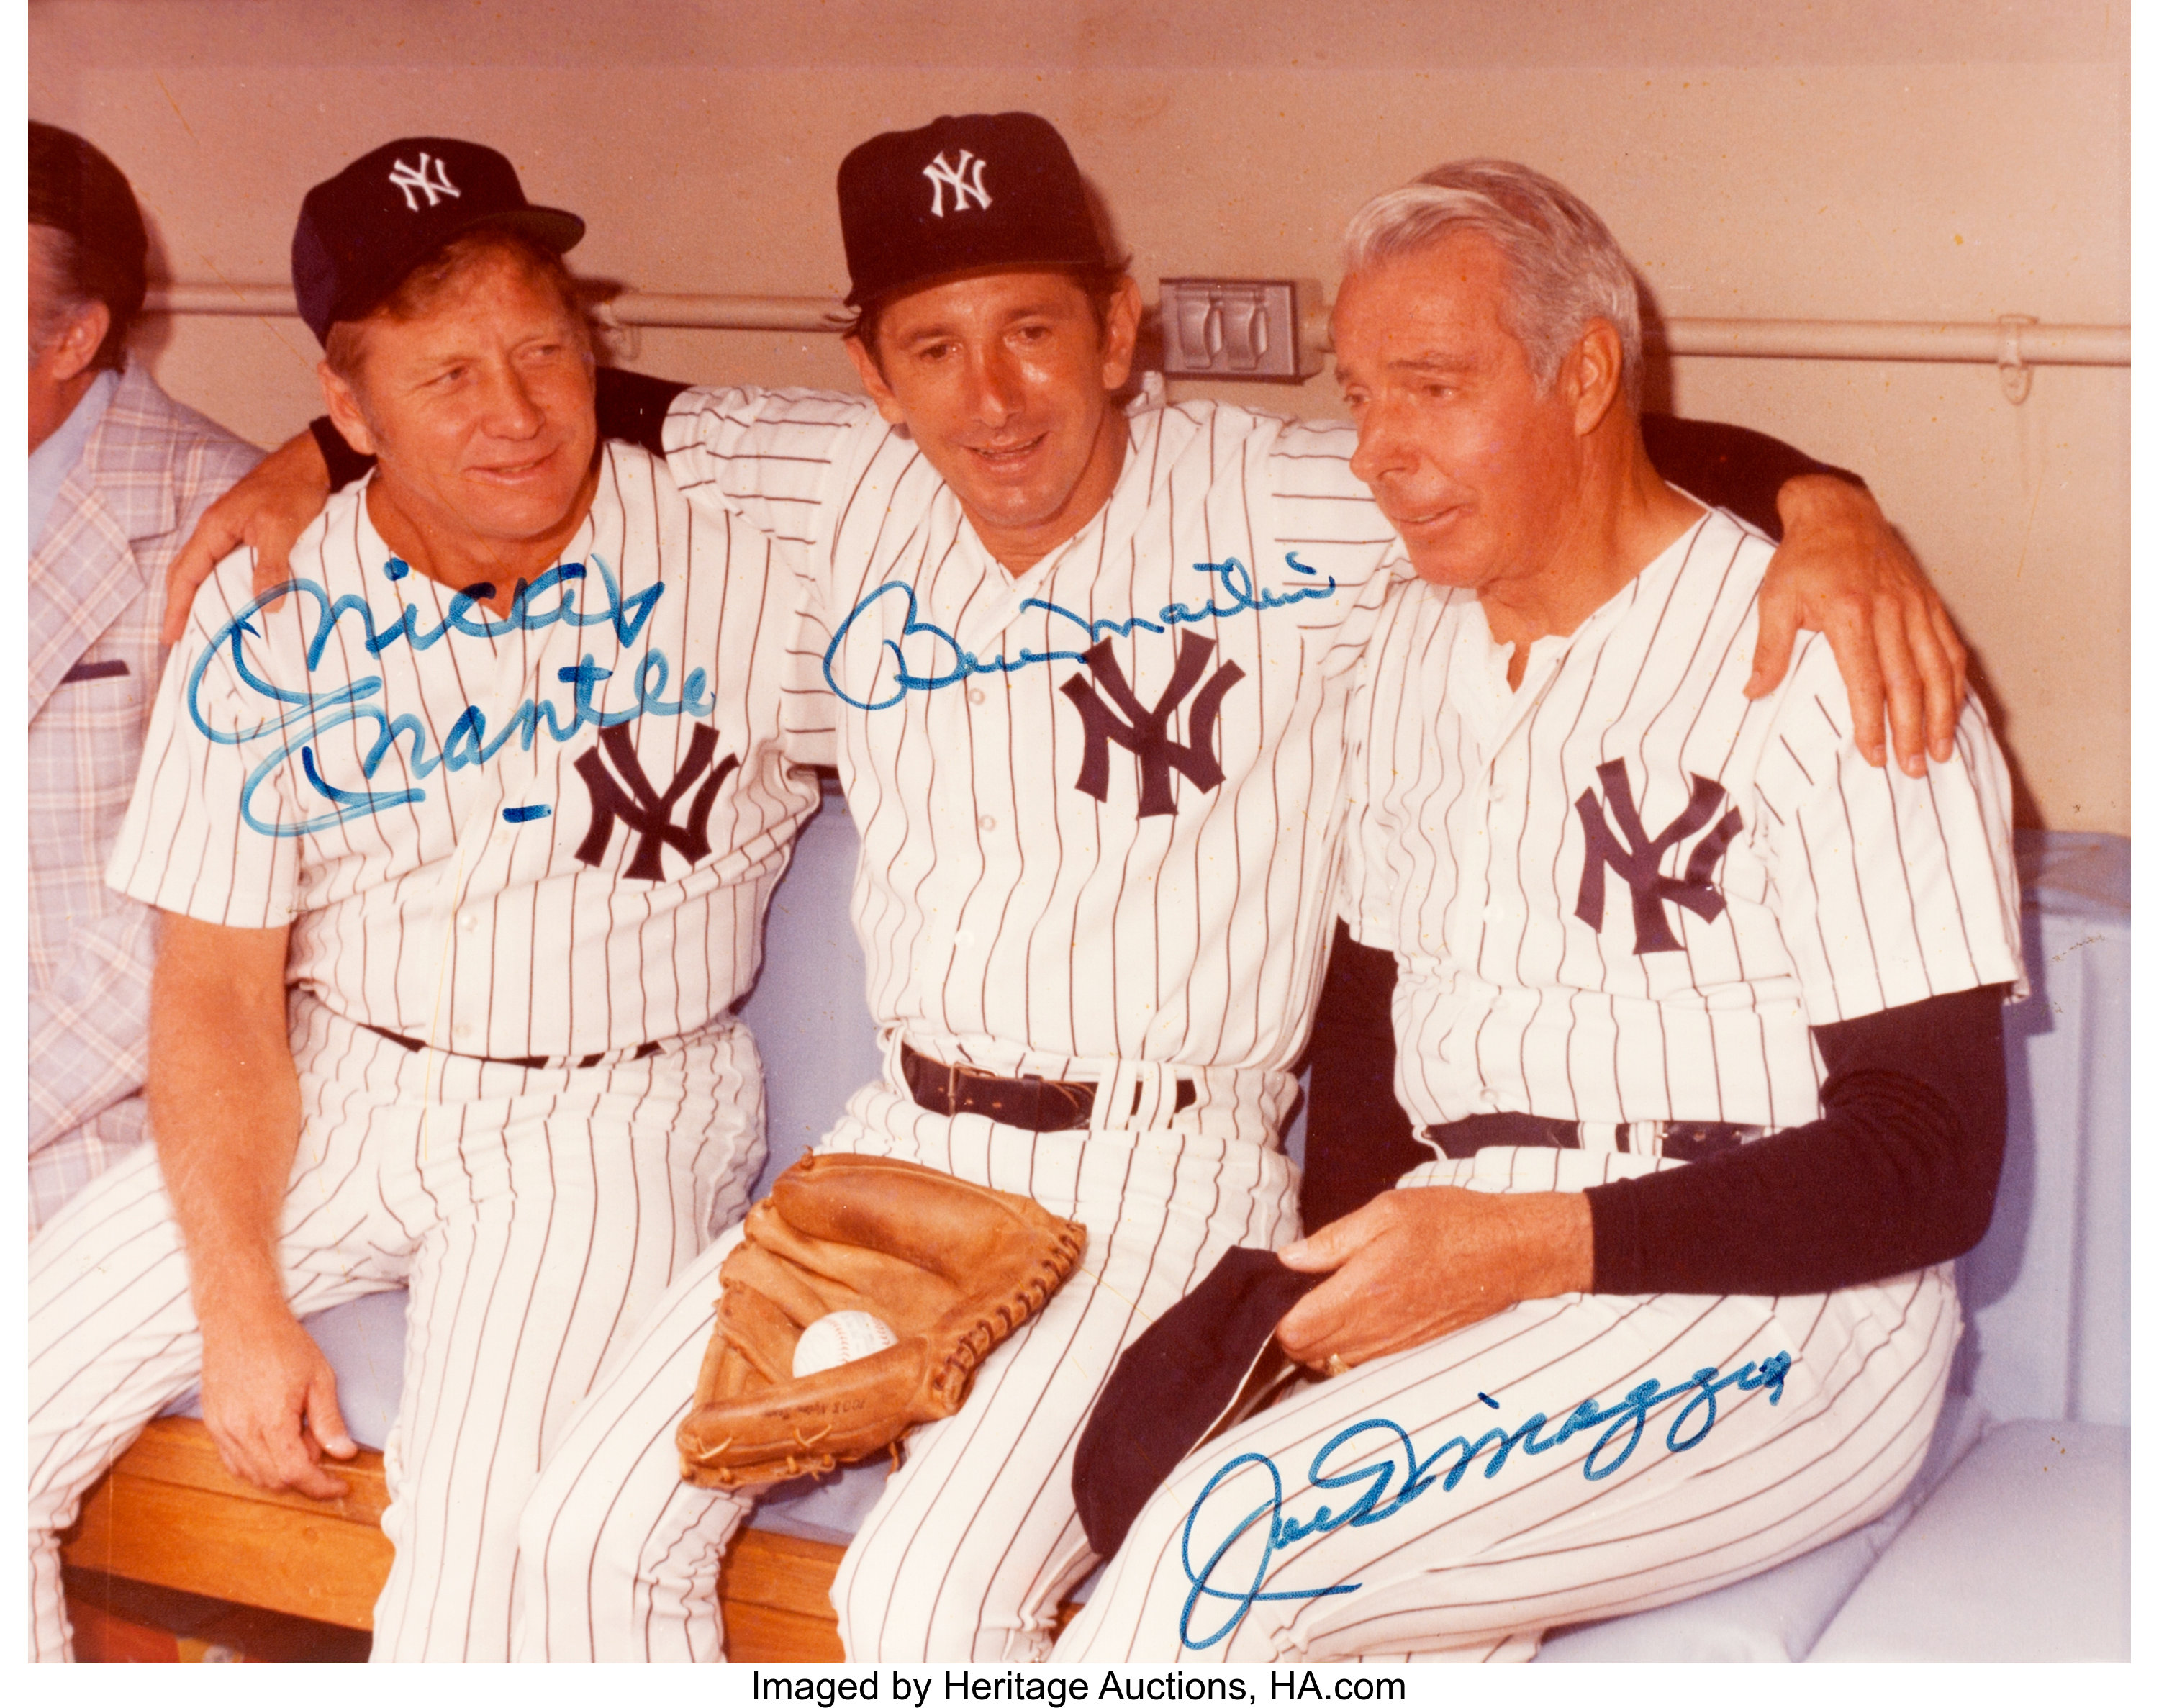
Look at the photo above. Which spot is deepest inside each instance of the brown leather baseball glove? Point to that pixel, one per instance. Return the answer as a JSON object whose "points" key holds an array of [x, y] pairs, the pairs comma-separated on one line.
{"points": [[953, 1267]]}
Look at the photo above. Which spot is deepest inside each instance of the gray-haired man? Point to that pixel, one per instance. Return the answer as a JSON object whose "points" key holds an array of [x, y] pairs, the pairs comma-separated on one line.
{"points": [[1616, 1346]]}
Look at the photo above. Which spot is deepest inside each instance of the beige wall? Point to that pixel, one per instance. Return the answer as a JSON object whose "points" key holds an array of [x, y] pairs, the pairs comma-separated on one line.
{"points": [[1947, 160]]}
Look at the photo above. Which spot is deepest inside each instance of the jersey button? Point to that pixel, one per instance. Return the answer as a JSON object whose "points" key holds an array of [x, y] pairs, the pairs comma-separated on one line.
{"points": [[976, 697], [986, 822], [466, 923]]}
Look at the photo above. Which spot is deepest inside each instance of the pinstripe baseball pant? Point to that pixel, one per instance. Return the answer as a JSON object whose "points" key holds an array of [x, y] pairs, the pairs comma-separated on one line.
{"points": [[1546, 1534], [974, 1539], [536, 1213]]}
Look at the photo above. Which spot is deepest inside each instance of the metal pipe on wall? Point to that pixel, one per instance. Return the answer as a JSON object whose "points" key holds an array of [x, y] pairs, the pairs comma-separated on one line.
{"points": [[2013, 341]]}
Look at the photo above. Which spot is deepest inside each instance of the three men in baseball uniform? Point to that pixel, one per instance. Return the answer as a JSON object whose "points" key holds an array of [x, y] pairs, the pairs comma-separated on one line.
{"points": [[1085, 676], [1698, 1013]]}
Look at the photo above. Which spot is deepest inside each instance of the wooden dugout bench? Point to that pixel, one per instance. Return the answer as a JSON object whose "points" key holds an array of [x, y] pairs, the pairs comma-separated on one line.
{"points": [[169, 1515]]}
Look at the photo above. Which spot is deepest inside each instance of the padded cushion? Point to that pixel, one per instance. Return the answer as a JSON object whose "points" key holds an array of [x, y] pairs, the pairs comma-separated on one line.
{"points": [[1779, 1614], [2022, 1555], [828, 1508], [365, 1341]]}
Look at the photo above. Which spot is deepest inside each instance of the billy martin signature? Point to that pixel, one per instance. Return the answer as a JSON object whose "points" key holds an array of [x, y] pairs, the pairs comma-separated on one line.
{"points": [[923, 657]]}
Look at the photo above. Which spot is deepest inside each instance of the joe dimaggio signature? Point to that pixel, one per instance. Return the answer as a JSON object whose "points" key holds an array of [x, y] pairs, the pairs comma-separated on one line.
{"points": [[1376, 1495]]}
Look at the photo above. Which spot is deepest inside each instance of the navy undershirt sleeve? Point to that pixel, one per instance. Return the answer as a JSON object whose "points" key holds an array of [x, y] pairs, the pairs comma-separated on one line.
{"points": [[1899, 1171], [1357, 1140], [1732, 468], [633, 407]]}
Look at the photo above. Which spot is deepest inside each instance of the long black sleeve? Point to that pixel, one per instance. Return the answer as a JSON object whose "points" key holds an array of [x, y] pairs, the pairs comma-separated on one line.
{"points": [[633, 407], [1357, 1140], [1732, 468], [1899, 1171]]}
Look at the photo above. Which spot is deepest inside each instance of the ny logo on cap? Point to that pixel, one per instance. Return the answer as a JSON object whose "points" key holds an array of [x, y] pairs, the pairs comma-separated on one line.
{"points": [[408, 180], [940, 174]]}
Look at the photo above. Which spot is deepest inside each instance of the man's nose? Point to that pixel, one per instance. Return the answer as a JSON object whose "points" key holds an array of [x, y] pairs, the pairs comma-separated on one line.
{"points": [[997, 387], [1383, 446], [512, 411]]}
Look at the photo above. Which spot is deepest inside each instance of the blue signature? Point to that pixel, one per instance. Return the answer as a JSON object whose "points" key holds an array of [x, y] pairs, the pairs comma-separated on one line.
{"points": [[298, 718], [935, 660], [1625, 1419]]}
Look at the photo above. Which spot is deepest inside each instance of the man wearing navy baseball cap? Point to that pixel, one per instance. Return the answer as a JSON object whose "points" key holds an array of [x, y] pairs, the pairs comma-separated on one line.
{"points": [[459, 851], [1082, 673]]}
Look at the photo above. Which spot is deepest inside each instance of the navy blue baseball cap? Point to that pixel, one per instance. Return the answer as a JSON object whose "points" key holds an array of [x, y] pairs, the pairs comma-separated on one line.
{"points": [[966, 194], [362, 231]]}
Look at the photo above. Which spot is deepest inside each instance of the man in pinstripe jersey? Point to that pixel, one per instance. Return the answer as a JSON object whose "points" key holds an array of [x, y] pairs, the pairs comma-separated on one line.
{"points": [[462, 855], [1628, 907]]}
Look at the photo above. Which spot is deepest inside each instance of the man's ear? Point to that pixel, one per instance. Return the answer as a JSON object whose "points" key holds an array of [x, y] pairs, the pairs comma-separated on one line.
{"points": [[1121, 333], [345, 413], [874, 382], [1592, 374], [76, 347]]}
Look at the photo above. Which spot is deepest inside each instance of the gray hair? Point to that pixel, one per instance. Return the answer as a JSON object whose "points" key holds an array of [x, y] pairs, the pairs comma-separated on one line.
{"points": [[1564, 266], [54, 254]]}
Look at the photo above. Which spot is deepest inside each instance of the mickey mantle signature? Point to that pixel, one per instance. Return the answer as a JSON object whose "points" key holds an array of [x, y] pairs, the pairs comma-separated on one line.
{"points": [[1376, 1497], [296, 719]]}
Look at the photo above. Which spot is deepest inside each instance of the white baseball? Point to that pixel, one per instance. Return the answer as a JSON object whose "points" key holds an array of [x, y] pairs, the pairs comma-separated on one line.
{"points": [[840, 1338]]}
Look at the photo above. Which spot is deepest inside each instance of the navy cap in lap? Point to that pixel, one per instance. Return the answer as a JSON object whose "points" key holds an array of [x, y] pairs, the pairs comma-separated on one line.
{"points": [[980, 192], [1207, 1362], [362, 231]]}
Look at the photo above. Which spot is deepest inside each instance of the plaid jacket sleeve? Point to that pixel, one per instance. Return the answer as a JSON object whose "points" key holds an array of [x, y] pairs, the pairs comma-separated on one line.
{"points": [[155, 467]]}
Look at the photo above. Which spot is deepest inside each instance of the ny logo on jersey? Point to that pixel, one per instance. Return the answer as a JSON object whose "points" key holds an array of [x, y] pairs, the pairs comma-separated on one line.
{"points": [[408, 179], [1622, 844], [1144, 730], [940, 174], [649, 814]]}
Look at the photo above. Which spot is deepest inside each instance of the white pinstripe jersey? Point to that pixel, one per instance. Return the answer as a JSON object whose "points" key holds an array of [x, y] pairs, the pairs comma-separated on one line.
{"points": [[1099, 801], [465, 855], [1623, 892]]}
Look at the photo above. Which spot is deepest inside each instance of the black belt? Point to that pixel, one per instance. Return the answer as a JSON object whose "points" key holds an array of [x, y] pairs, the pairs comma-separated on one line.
{"points": [[593, 1060], [1037, 1105], [1686, 1141]]}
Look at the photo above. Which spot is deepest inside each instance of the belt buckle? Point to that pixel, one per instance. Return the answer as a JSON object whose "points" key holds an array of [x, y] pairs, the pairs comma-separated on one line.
{"points": [[1652, 1131]]}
